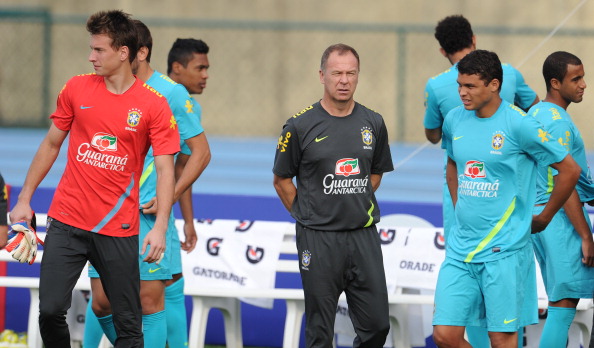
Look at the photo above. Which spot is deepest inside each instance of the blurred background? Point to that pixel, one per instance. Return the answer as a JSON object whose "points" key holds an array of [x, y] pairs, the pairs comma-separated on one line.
{"points": [[265, 53]]}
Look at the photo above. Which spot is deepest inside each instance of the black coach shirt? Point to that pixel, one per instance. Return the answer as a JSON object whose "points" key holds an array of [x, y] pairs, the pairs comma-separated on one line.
{"points": [[333, 159]]}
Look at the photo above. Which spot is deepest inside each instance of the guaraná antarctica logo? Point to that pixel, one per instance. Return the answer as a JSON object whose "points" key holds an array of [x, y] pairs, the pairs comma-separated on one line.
{"points": [[475, 169], [347, 167], [104, 142]]}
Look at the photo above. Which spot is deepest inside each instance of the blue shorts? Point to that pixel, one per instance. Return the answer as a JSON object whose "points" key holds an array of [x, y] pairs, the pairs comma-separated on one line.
{"points": [[499, 295], [558, 250], [150, 271], [175, 246]]}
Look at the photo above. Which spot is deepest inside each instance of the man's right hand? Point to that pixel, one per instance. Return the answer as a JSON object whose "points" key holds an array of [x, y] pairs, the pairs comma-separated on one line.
{"points": [[156, 240], [21, 212]]}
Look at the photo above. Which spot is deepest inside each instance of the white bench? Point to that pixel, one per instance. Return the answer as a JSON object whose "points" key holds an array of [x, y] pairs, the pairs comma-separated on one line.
{"points": [[228, 301]]}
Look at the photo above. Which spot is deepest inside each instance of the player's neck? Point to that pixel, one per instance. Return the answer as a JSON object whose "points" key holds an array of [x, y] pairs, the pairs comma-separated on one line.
{"points": [[120, 81], [144, 71], [490, 108], [557, 100], [457, 56], [338, 108]]}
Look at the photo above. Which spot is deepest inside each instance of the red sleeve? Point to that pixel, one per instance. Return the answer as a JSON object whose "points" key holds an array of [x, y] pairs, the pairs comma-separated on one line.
{"points": [[64, 113], [163, 131]]}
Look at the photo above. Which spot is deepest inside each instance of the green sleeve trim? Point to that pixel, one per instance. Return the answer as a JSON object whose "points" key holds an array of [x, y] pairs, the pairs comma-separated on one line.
{"points": [[550, 180]]}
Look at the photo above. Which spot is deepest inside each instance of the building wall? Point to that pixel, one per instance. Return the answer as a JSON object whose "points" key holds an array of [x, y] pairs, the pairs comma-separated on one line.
{"points": [[265, 54]]}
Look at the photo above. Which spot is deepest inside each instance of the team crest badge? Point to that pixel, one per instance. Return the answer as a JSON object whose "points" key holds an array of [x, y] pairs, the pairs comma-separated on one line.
{"points": [[134, 116], [305, 259], [497, 141], [366, 135]]}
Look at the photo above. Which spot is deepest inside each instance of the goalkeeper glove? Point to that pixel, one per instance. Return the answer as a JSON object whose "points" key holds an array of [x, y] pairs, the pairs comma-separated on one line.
{"points": [[22, 242]]}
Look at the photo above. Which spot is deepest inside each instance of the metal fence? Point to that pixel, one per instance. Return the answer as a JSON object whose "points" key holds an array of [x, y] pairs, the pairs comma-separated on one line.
{"points": [[263, 72]]}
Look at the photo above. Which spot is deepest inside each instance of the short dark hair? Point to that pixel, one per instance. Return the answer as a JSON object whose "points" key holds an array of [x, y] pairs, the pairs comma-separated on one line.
{"points": [[145, 39], [341, 49], [454, 33], [483, 63], [118, 26], [183, 51], [555, 66]]}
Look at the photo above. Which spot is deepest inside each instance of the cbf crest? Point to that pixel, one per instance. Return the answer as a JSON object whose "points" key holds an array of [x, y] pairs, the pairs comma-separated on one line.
{"points": [[305, 259], [134, 116], [498, 140], [367, 137]]}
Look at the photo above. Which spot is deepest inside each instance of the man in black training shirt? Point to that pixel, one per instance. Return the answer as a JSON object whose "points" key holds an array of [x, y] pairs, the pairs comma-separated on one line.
{"points": [[338, 150]]}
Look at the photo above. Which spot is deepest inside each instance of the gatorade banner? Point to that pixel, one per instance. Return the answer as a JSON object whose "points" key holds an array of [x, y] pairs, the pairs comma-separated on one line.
{"points": [[234, 254]]}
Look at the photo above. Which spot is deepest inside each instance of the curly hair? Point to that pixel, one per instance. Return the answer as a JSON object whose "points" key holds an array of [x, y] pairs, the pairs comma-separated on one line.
{"points": [[454, 33]]}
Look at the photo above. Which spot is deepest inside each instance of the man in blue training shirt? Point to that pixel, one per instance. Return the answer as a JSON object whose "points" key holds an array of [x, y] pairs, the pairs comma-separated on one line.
{"points": [[195, 149], [456, 39], [565, 249], [488, 277], [187, 64]]}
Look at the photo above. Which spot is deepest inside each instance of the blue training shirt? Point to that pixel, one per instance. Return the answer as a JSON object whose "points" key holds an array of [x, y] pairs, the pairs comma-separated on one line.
{"points": [[562, 129], [187, 113], [496, 161], [441, 93], [441, 96]]}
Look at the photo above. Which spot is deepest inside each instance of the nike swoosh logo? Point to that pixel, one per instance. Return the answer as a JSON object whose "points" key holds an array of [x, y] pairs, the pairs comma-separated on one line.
{"points": [[505, 321], [320, 139], [456, 138], [156, 269], [85, 107]]}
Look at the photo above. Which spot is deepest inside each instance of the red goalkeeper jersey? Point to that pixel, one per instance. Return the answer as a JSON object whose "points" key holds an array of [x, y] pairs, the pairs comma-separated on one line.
{"points": [[109, 136]]}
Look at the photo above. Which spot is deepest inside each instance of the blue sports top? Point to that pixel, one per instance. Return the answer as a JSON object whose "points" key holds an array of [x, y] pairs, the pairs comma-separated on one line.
{"points": [[496, 161], [561, 128], [187, 113], [441, 93]]}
